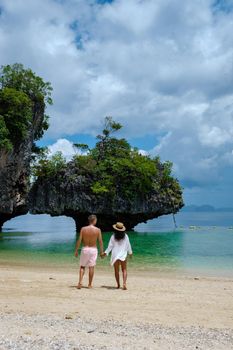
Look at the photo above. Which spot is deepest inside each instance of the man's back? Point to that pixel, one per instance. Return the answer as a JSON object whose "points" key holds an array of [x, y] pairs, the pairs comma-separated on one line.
{"points": [[90, 234]]}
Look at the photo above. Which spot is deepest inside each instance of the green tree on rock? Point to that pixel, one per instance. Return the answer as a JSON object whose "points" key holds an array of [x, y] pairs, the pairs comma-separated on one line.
{"points": [[113, 169], [21, 93]]}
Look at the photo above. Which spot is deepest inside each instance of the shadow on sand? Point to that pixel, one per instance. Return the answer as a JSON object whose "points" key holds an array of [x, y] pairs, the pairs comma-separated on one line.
{"points": [[75, 287], [109, 287], [85, 287]]}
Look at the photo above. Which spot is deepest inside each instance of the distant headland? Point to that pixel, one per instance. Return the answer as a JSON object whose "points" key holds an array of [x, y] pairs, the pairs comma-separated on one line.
{"points": [[205, 208]]}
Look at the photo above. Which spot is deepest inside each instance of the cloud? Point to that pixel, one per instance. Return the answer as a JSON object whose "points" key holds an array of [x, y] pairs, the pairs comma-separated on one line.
{"points": [[64, 146], [162, 68]]}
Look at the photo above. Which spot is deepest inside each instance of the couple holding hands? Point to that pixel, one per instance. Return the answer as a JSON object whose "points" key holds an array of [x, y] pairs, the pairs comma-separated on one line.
{"points": [[119, 246]]}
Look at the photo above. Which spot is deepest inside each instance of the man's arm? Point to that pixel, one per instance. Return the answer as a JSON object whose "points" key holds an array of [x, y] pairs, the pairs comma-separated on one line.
{"points": [[101, 242], [78, 243]]}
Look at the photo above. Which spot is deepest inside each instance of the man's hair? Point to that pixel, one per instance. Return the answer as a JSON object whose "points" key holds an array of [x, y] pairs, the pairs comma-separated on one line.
{"points": [[92, 218]]}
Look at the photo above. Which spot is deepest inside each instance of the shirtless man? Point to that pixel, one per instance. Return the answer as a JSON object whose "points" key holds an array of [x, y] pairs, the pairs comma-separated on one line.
{"points": [[88, 236]]}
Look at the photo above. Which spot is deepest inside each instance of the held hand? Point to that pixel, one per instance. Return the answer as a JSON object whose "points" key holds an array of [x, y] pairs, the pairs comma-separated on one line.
{"points": [[103, 255], [76, 253], [130, 256]]}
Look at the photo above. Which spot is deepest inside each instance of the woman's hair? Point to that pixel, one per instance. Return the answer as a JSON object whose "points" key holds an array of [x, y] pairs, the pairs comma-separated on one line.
{"points": [[118, 235]]}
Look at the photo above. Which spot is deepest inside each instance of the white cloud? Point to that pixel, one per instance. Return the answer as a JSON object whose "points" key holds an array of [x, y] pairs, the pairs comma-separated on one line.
{"points": [[143, 152], [64, 146], [159, 67], [214, 136]]}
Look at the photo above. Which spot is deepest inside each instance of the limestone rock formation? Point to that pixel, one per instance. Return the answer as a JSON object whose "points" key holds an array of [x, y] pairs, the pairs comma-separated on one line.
{"points": [[15, 170], [68, 193]]}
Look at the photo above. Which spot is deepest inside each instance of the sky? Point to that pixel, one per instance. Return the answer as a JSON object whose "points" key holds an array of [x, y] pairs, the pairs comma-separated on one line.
{"points": [[164, 69]]}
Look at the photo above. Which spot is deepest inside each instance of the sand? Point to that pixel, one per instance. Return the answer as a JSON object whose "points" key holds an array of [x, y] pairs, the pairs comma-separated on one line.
{"points": [[40, 308]]}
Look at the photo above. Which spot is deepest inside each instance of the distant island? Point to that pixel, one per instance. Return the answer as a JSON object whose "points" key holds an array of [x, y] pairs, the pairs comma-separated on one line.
{"points": [[205, 208]]}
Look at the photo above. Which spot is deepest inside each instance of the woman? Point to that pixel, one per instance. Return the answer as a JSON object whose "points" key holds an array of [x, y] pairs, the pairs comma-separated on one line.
{"points": [[120, 247]]}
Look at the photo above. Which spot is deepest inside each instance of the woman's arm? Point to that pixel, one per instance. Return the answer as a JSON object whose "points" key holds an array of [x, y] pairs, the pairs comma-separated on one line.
{"points": [[110, 246], [129, 248]]}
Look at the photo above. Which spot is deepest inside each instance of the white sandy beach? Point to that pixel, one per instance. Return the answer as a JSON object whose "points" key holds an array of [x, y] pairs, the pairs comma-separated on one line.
{"points": [[42, 309]]}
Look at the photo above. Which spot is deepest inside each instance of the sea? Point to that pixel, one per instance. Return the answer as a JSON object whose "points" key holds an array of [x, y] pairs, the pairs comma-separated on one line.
{"points": [[200, 243]]}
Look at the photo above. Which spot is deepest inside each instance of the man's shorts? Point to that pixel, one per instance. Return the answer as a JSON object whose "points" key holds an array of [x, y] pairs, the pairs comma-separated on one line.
{"points": [[88, 256]]}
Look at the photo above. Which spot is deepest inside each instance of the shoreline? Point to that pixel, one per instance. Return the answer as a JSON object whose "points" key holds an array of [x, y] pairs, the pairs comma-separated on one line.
{"points": [[34, 260]]}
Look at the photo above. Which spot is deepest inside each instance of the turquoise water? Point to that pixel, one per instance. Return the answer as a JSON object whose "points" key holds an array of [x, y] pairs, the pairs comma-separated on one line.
{"points": [[203, 242]]}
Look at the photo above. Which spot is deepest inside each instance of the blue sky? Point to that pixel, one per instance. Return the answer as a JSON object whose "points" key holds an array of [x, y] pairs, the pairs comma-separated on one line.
{"points": [[164, 69]]}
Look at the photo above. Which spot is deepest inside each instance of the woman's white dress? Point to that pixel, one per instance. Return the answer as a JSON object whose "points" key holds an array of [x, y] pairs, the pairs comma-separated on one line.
{"points": [[119, 249]]}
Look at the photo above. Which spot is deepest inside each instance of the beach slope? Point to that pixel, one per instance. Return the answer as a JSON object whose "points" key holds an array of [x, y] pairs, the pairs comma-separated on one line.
{"points": [[42, 309]]}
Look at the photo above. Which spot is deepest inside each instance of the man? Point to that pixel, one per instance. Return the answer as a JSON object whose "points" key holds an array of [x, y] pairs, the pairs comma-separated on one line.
{"points": [[89, 236]]}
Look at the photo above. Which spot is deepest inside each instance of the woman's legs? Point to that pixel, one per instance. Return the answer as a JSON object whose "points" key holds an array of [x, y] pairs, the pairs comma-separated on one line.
{"points": [[116, 269], [124, 273]]}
